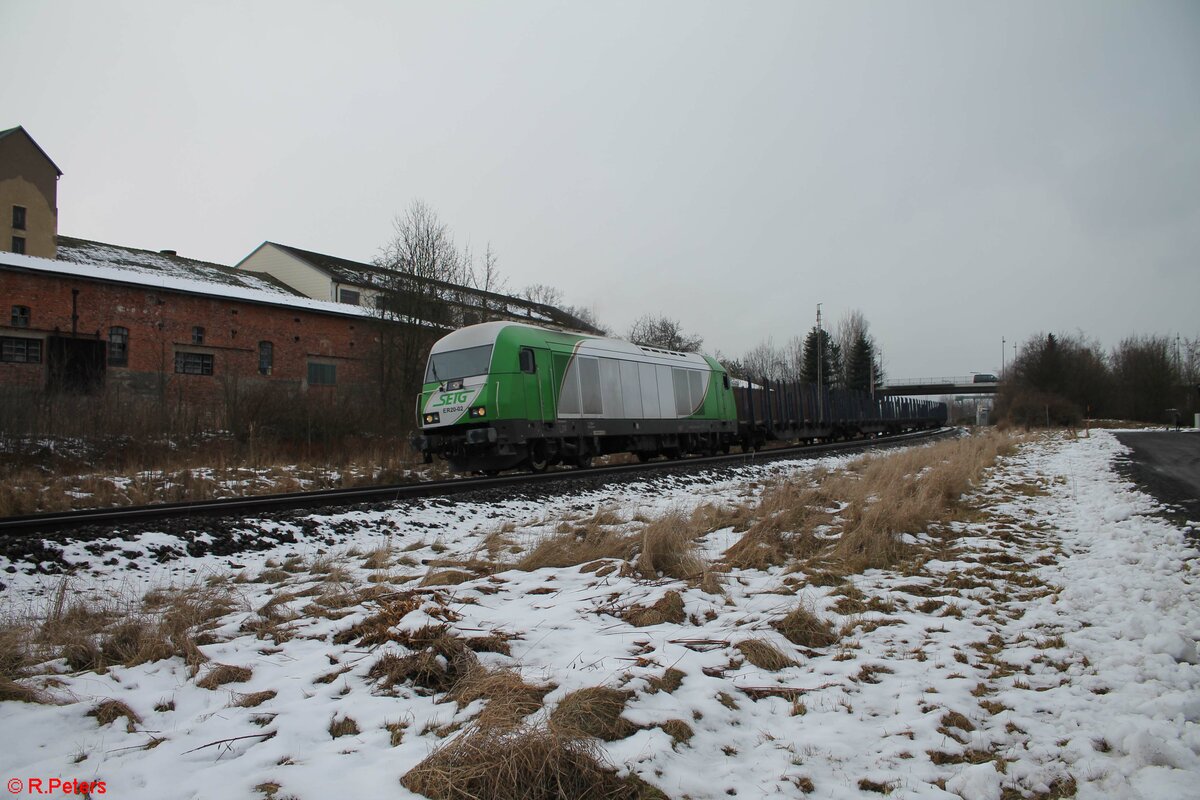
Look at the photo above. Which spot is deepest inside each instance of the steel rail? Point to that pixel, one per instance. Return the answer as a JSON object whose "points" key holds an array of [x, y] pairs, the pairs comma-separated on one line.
{"points": [[237, 506]]}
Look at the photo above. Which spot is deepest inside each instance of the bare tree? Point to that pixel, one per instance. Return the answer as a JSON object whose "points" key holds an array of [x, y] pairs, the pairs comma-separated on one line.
{"points": [[421, 246], [665, 333], [766, 361], [542, 293]]}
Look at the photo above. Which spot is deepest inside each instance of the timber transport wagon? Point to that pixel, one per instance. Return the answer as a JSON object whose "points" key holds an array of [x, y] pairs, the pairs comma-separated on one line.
{"points": [[786, 411]]}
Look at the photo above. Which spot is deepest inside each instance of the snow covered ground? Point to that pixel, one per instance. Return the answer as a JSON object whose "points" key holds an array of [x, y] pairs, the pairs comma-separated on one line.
{"points": [[1051, 652]]}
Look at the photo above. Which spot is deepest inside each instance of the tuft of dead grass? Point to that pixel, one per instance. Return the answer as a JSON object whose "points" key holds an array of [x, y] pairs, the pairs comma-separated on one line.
{"points": [[253, 699], [438, 662], [669, 608], [679, 731], [669, 549], [221, 674], [671, 680], [595, 711], [509, 698], [346, 726], [15, 662], [764, 655], [530, 762], [108, 711], [804, 628], [569, 548]]}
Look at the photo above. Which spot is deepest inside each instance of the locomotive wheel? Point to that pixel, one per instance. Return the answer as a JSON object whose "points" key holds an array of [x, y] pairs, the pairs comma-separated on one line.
{"points": [[644, 456], [583, 461], [538, 461]]}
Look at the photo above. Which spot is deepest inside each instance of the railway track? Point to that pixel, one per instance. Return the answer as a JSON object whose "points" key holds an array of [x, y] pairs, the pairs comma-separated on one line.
{"points": [[95, 522]]}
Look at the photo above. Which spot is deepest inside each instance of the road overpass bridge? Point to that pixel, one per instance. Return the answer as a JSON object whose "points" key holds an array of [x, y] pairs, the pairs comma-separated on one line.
{"points": [[956, 385]]}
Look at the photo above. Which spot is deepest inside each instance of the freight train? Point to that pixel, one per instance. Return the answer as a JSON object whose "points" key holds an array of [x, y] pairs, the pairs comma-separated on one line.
{"points": [[504, 395]]}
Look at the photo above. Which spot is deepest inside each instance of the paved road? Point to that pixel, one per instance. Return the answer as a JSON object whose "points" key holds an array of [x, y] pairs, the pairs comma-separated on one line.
{"points": [[1167, 464]]}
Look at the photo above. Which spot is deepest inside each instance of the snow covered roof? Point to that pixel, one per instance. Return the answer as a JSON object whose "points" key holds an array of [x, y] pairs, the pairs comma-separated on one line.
{"points": [[165, 263], [96, 261]]}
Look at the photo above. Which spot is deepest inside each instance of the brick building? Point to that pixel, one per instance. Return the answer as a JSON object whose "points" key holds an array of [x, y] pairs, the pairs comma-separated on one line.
{"points": [[158, 324]]}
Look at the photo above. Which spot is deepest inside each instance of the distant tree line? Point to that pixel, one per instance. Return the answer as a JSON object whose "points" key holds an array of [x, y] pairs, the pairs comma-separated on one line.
{"points": [[1058, 379], [847, 357]]}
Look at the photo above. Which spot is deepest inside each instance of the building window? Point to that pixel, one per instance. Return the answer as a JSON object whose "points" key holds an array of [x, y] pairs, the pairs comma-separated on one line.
{"points": [[118, 346], [194, 363], [20, 351], [18, 244], [322, 374], [349, 296], [18, 218], [197, 335], [266, 357], [20, 316]]}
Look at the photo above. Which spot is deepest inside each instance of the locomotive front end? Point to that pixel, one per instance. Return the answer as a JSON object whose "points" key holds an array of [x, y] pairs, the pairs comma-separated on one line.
{"points": [[458, 404]]}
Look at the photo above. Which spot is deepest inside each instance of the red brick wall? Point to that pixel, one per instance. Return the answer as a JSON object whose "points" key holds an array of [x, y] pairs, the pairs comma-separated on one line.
{"points": [[160, 324]]}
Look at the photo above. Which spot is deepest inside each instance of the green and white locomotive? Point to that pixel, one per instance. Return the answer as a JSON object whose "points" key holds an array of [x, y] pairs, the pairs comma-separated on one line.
{"points": [[501, 395]]}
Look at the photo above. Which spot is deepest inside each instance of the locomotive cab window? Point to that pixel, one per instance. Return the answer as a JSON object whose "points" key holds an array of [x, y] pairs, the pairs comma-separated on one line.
{"points": [[526, 361], [453, 364]]}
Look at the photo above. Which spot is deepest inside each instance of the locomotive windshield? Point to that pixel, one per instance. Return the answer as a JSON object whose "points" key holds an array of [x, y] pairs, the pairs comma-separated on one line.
{"points": [[458, 364]]}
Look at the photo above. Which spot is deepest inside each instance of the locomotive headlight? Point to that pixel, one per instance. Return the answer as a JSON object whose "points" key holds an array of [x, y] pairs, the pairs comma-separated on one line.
{"points": [[432, 418], [478, 411]]}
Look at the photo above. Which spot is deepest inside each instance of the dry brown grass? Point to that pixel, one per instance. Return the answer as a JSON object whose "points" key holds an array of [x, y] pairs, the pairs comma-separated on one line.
{"points": [[569, 549], [95, 633], [346, 726], [102, 470], [595, 711], [509, 698], [15, 662], [679, 731], [253, 699], [669, 549], [864, 509], [765, 655], [221, 674], [804, 628], [671, 680], [668, 608], [529, 762], [438, 662], [380, 627], [107, 711]]}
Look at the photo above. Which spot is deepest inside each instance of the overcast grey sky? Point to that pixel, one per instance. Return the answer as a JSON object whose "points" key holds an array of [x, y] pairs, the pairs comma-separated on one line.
{"points": [[958, 171]]}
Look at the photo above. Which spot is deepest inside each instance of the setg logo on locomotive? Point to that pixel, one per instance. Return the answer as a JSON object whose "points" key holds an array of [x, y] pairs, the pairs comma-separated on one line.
{"points": [[449, 406]]}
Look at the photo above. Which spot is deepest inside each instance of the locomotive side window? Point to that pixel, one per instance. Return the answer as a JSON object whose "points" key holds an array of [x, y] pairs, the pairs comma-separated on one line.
{"points": [[666, 393], [696, 389], [589, 385], [526, 361], [631, 390], [725, 379], [683, 403], [648, 378], [610, 387]]}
